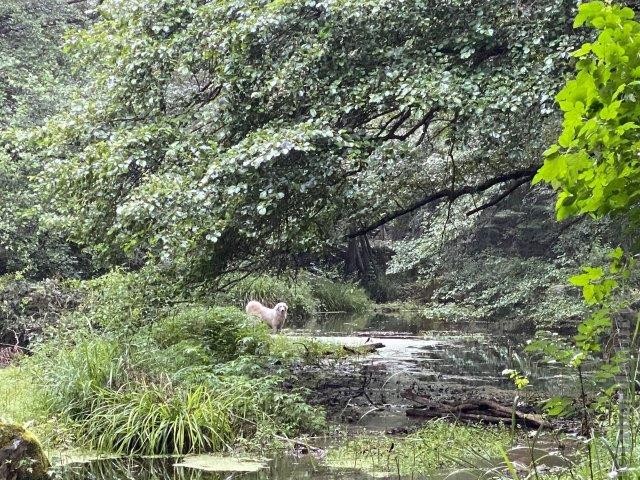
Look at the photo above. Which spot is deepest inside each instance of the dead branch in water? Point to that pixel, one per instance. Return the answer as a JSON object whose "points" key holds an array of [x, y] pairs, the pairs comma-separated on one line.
{"points": [[366, 348], [479, 410]]}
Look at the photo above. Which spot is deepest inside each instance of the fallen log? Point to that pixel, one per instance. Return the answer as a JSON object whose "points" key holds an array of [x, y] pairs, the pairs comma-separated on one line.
{"points": [[361, 349], [481, 410]]}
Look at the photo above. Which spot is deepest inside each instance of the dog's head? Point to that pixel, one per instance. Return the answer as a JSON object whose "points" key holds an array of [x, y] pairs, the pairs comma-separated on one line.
{"points": [[281, 309]]}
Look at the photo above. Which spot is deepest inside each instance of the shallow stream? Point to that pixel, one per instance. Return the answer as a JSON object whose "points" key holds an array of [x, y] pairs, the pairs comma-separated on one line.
{"points": [[438, 360]]}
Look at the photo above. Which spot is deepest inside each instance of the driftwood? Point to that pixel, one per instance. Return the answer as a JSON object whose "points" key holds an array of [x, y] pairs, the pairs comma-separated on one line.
{"points": [[479, 410], [366, 348]]}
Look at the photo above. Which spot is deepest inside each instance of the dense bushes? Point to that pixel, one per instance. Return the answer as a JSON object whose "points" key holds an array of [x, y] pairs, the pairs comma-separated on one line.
{"points": [[27, 307], [490, 286], [223, 332]]}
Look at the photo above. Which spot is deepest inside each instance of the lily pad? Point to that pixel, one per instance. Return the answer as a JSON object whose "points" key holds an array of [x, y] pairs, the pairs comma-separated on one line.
{"points": [[217, 463]]}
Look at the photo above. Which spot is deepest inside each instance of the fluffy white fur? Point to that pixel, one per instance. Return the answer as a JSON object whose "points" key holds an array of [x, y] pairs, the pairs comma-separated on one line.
{"points": [[274, 317]]}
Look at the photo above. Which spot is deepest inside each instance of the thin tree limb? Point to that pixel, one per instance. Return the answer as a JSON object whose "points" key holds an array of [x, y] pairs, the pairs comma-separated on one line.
{"points": [[498, 198], [449, 193]]}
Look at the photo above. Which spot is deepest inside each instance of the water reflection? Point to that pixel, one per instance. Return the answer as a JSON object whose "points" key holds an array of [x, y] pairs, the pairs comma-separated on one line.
{"points": [[472, 353], [280, 468]]}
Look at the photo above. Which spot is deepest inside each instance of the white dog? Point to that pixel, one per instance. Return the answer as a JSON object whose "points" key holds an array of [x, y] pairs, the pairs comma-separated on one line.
{"points": [[274, 317]]}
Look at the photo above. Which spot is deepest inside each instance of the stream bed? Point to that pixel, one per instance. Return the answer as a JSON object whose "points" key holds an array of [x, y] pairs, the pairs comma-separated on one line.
{"points": [[438, 360]]}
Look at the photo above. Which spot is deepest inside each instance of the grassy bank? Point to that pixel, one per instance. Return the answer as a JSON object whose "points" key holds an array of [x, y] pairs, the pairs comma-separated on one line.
{"points": [[130, 371]]}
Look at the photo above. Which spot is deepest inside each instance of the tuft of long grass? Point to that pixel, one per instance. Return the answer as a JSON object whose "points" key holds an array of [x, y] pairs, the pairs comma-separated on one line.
{"points": [[339, 296], [159, 419], [269, 290], [70, 376]]}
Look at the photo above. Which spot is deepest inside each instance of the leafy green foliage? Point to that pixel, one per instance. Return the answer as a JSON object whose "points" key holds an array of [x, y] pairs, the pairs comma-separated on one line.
{"points": [[26, 244], [224, 332], [530, 289], [602, 289], [33, 81], [32, 78], [215, 134], [594, 165], [28, 308], [123, 302], [519, 380]]}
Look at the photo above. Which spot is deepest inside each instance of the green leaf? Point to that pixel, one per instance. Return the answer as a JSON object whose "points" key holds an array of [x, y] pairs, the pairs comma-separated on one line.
{"points": [[583, 50]]}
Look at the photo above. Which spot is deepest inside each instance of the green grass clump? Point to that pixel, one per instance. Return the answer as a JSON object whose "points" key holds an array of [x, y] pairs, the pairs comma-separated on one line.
{"points": [[304, 294], [154, 419], [269, 290], [439, 444], [339, 296], [71, 375]]}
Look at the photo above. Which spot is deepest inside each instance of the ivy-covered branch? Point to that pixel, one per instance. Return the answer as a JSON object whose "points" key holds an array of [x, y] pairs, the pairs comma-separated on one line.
{"points": [[450, 194]]}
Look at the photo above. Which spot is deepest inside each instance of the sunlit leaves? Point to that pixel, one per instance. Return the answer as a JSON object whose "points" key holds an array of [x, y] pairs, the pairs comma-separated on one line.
{"points": [[600, 120]]}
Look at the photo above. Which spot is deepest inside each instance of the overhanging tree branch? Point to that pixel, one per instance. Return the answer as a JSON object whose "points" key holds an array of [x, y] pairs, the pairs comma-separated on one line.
{"points": [[451, 194], [501, 196]]}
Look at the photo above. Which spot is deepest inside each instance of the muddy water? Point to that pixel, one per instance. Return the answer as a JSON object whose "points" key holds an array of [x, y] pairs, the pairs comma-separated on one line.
{"points": [[440, 360], [281, 468]]}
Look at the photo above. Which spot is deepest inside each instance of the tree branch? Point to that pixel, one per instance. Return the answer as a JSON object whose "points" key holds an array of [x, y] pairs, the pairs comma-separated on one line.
{"points": [[423, 122], [449, 193], [498, 198]]}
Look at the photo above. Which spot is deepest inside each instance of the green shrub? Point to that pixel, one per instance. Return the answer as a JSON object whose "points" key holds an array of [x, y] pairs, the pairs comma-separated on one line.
{"points": [[259, 406], [122, 302], [28, 307], [338, 296], [224, 332], [296, 293]]}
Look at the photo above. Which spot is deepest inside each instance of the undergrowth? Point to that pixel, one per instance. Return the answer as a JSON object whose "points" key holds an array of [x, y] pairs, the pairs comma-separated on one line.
{"points": [[128, 373], [437, 445]]}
